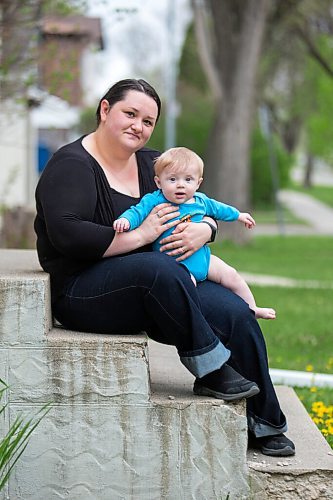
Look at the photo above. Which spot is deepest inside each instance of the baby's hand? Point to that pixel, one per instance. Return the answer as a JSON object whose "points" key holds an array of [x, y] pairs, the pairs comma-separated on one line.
{"points": [[247, 220], [121, 225]]}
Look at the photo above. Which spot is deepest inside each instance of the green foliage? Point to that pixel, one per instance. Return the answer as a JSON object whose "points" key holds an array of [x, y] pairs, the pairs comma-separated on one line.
{"points": [[157, 140], [195, 106], [261, 176], [190, 68], [64, 7], [193, 124], [87, 121], [13, 444], [318, 125], [194, 121]]}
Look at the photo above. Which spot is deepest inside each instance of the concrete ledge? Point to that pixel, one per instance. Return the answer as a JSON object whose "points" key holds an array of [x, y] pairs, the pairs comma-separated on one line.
{"points": [[25, 314], [71, 367], [309, 474], [306, 476]]}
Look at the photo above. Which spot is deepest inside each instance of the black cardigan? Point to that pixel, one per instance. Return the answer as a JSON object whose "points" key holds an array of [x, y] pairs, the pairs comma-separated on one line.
{"points": [[76, 208]]}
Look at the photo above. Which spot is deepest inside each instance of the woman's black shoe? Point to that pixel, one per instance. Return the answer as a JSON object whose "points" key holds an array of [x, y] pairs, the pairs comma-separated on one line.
{"points": [[275, 446], [226, 384]]}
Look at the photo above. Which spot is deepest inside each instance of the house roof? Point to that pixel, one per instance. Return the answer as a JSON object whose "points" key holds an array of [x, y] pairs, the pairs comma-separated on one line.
{"points": [[74, 26]]}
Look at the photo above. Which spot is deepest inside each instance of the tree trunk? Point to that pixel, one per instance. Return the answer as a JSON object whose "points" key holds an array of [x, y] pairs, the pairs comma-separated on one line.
{"points": [[309, 167], [238, 29]]}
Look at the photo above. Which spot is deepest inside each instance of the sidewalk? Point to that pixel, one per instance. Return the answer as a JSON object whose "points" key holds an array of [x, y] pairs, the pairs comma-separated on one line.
{"points": [[317, 215]]}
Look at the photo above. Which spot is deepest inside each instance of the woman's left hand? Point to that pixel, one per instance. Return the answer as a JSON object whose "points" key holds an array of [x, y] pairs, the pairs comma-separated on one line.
{"points": [[186, 239]]}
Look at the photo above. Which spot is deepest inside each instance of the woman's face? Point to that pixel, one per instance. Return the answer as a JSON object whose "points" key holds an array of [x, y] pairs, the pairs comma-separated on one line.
{"points": [[130, 122]]}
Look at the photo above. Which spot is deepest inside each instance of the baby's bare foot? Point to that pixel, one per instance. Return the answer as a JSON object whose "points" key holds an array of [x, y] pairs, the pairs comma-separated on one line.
{"points": [[264, 313]]}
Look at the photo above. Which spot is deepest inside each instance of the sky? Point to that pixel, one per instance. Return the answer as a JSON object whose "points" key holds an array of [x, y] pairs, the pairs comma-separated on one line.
{"points": [[138, 41]]}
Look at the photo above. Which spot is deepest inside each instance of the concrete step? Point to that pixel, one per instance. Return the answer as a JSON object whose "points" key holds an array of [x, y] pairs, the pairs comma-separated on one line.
{"points": [[25, 314], [106, 436], [124, 423], [74, 367], [307, 475]]}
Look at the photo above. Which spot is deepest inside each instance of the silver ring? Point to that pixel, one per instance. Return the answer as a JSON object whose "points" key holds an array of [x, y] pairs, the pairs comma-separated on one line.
{"points": [[158, 215]]}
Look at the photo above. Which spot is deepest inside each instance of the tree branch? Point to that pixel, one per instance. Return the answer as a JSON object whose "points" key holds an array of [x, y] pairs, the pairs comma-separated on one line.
{"points": [[204, 50], [313, 51]]}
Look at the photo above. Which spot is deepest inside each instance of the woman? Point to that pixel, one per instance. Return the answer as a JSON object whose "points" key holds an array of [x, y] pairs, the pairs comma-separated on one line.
{"points": [[97, 276]]}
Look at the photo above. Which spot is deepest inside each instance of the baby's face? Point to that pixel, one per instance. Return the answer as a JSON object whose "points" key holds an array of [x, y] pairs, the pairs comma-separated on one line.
{"points": [[179, 185]]}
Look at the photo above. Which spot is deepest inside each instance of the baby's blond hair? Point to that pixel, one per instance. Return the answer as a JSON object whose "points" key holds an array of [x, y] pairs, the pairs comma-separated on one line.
{"points": [[178, 158]]}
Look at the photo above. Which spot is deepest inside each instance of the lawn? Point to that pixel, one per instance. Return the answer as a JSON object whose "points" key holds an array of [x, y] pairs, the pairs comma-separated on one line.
{"points": [[302, 334], [298, 257]]}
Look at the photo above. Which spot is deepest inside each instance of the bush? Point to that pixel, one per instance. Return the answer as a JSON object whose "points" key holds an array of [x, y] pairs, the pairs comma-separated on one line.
{"points": [[261, 176]]}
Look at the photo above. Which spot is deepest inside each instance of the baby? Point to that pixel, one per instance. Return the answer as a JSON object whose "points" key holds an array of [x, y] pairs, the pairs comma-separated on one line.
{"points": [[179, 174]]}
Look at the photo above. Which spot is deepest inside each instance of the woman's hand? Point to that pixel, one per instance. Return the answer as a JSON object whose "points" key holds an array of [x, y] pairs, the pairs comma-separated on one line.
{"points": [[186, 239], [157, 222]]}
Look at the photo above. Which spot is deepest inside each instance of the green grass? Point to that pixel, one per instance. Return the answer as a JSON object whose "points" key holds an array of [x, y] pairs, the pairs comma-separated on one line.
{"points": [[303, 331], [321, 193], [298, 257], [301, 336]]}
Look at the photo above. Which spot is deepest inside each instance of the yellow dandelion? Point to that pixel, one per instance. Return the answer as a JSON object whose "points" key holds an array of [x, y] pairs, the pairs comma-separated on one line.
{"points": [[309, 368], [329, 363]]}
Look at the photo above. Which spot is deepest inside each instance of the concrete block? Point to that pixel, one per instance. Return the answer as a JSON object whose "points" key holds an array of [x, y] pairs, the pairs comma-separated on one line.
{"points": [[82, 368], [24, 310], [213, 451], [150, 451], [309, 474]]}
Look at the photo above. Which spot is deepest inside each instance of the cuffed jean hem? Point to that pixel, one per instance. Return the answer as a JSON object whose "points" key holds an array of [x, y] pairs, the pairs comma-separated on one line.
{"points": [[199, 363], [260, 429]]}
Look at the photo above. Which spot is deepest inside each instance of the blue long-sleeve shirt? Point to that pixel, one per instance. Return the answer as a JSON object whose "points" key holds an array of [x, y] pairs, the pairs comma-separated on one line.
{"points": [[198, 263]]}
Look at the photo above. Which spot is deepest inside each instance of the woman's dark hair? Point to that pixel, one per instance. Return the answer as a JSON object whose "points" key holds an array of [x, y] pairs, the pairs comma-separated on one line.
{"points": [[119, 90]]}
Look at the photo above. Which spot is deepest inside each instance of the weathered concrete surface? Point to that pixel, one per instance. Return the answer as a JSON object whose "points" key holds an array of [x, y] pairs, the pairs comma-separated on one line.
{"points": [[25, 314], [73, 367], [172, 450], [308, 475], [105, 436]]}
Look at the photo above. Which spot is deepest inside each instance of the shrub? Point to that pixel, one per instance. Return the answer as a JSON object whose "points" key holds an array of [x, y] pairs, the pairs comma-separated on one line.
{"points": [[261, 176]]}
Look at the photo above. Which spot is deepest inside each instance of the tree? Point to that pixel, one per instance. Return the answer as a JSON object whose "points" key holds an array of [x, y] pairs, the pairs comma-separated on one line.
{"points": [[19, 36], [230, 58], [297, 77], [274, 52]]}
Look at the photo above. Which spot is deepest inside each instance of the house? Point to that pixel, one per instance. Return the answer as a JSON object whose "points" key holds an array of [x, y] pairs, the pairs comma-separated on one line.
{"points": [[30, 133]]}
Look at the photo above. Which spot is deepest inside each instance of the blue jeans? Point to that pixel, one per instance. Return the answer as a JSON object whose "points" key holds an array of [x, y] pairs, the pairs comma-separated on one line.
{"points": [[209, 325]]}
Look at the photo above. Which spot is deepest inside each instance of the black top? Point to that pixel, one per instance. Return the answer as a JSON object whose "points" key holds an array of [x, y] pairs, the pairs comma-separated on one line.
{"points": [[76, 208]]}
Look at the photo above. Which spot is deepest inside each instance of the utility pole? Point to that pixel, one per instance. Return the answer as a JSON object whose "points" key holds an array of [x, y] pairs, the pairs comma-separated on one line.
{"points": [[171, 78], [266, 128]]}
